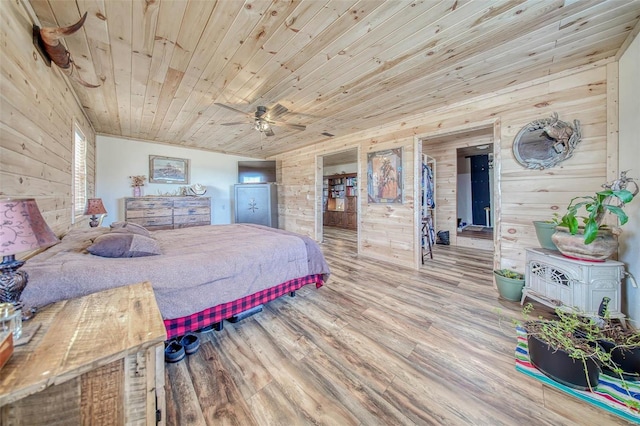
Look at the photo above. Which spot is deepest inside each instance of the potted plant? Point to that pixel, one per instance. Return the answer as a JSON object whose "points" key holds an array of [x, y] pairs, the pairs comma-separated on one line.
{"points": [[562, 356], [509, 283], [621, 342], [624, 347], [544, 230], [567, 349], [592, 240]]}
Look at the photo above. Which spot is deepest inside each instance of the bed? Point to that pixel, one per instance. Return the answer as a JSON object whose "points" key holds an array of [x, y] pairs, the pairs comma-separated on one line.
{"points": [[200, 275]]}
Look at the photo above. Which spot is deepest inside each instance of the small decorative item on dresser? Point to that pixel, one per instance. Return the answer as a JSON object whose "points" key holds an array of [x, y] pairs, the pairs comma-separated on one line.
{"points": [[197, 189], [137, 182]]}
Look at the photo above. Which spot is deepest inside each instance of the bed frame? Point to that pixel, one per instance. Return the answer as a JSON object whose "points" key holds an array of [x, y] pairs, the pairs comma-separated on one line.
{"points": [[233, 311]]}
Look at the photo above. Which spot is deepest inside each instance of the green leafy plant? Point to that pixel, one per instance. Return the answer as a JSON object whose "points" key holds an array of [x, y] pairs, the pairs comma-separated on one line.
{"points": [[622, 337], [556, 218], [612, 200], [508, 273], [579, 336], [562, 334]]}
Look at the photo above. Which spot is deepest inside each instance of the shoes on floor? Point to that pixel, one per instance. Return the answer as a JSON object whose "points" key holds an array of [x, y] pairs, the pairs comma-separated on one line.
{"points": [[190, 342], [174, 352], [176, 349]]}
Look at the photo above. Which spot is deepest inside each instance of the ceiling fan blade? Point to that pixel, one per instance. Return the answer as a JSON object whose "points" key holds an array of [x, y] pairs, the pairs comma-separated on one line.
{"points": [[289, 125], [277, 111], [232, 109], [269, 132], [235, 123]]}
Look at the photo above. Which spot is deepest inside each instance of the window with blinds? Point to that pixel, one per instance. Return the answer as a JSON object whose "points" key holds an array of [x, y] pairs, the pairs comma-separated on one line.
{"points": [[79, 173]]}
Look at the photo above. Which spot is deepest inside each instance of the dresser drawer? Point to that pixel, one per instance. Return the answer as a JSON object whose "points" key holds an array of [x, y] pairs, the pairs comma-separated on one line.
{"points": [[188, 211], [152, 221], [149, 213], [148, 203], [192, 202], [201, 219]]}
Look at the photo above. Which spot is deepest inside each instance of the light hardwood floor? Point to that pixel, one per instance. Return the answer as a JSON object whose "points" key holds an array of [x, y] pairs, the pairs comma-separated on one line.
{"points": [[377, 345]]}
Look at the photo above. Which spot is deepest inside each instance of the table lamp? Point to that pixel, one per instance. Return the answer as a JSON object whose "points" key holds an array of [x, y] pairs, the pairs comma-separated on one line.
{"points": [[95, 207], [22, 228]]}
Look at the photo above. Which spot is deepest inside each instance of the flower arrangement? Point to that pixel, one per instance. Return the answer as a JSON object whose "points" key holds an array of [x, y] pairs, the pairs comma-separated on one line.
{"points": [[137, 180]]}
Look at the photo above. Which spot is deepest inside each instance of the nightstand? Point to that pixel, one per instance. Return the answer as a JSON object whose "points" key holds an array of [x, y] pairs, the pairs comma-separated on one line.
{"points": [[97, 359]]}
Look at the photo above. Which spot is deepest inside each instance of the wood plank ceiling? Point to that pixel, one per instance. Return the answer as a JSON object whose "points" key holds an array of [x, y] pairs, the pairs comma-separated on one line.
{"points": [[338, 66]]}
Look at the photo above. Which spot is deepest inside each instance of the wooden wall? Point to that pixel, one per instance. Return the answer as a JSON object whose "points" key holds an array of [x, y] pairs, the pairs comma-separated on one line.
{"points": [[389, 231], [37, 112]]}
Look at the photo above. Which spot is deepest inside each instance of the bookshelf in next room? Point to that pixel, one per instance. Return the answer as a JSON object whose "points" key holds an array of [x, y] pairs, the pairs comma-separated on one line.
{"points": [[340, 201]]}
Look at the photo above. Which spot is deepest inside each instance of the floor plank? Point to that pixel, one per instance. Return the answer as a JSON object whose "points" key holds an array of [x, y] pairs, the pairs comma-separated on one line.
{"points": [[378, 344]]}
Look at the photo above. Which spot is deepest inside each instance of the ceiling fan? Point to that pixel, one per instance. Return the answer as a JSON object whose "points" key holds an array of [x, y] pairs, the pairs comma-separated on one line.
{"points": [[264, 118]]}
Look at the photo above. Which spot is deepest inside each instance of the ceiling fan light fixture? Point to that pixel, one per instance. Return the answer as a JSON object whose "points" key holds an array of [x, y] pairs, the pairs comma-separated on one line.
{"points": [[262, 126], [263, 118]]}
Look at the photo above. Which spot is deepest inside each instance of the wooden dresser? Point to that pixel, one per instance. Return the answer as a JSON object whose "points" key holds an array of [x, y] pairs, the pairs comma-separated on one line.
{"points": [[98, 359], [168, 212]]}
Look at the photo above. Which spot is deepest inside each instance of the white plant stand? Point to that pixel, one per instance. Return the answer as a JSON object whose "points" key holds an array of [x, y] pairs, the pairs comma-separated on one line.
{"points": [[573, 285]]}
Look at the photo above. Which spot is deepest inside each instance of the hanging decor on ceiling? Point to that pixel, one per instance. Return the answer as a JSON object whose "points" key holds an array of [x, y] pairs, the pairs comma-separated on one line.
{"points": [[47, 40], [543, 144]]}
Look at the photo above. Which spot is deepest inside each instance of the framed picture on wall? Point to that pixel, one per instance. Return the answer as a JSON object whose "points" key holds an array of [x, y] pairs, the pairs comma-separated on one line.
{"points": [[384, 176], [168, 170]]}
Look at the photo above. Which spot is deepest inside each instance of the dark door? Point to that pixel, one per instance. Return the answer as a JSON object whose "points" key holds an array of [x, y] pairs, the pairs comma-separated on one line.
{"points": [[480, 197]]}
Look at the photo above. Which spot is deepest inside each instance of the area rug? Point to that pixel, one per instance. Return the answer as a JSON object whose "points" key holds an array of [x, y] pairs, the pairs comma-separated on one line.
{"points": [[473, 228], [609, 395]]}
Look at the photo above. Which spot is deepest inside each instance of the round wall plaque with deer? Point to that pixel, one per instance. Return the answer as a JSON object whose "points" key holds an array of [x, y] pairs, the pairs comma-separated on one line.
{"points": [[543, 144]]}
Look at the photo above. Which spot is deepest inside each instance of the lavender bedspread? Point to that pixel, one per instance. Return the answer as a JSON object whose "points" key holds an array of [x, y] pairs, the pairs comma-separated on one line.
{"points": [[199, 267]]}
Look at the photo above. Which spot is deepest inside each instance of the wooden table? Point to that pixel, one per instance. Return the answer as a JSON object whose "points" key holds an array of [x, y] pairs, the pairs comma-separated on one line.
{"points": [[98, 359]]}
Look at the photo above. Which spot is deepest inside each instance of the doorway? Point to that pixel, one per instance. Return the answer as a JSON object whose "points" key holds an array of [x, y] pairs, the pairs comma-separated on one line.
{"points": [[339, 175], [463, 211], [474, 197]]}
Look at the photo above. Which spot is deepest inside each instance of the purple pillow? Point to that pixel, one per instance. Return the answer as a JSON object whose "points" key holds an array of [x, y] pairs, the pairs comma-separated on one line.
{"points": [[130, 227], [123, 244]]}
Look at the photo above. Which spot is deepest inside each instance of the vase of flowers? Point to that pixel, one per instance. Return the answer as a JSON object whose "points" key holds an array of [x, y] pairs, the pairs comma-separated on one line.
{"points": [[137, 182]]}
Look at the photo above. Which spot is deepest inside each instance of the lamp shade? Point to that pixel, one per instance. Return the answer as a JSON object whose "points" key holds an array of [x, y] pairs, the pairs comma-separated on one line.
{"points": [[22, 227], [95, 206]]}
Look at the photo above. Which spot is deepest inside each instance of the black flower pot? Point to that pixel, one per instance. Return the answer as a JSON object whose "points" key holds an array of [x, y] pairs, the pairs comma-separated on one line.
{"points": [[628, 359], [559, 366]]}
